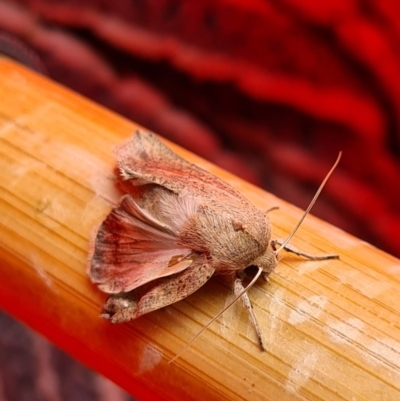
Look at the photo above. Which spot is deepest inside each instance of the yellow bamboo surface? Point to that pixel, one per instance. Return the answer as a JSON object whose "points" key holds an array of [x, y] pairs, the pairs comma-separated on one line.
{"points": [[332, 328]]}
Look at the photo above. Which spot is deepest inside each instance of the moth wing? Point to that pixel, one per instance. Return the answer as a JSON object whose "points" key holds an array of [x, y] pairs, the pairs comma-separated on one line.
{"points": [[169, 290], [132, 248], [144, 159], [159, 293]]}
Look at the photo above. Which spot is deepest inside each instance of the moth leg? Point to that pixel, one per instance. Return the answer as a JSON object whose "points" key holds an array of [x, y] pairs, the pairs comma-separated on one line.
{"points": [[290, 248], [119, 308], [238, 288], [271, 209], [157, 294]]}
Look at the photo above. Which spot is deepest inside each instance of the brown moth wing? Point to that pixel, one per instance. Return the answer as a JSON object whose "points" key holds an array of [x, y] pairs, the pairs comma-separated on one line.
{"points": [[143, 159], [133, 248], [158, 293]]}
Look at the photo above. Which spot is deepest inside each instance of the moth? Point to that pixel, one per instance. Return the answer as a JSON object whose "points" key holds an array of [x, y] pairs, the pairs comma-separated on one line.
{"points": [[177, 227]]}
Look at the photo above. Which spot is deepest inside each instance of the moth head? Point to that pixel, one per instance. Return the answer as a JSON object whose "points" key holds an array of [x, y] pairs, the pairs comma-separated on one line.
{"points": [[267, 261]]}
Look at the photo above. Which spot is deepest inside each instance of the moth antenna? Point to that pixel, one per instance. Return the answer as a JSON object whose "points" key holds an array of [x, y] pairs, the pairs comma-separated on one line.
{"points": [[314, 199], [217, 316]]}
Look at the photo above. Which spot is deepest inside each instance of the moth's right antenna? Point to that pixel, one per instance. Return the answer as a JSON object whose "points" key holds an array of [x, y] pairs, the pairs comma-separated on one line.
{"points": [[314, 199]]}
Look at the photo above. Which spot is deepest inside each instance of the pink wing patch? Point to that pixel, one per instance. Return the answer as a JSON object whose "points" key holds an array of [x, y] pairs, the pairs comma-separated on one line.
{"points": [[133, 248], [144, 159]]}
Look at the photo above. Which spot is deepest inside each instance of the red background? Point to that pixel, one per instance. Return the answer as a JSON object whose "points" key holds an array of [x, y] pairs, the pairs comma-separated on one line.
{"points": [[270, 90]]}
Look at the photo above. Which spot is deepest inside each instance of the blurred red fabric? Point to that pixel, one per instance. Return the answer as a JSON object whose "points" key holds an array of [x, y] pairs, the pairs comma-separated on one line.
{"points": [[270, 90]]}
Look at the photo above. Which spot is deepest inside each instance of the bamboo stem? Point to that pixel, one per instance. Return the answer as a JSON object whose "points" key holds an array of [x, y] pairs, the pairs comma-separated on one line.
{"points": [[331, 327]]}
